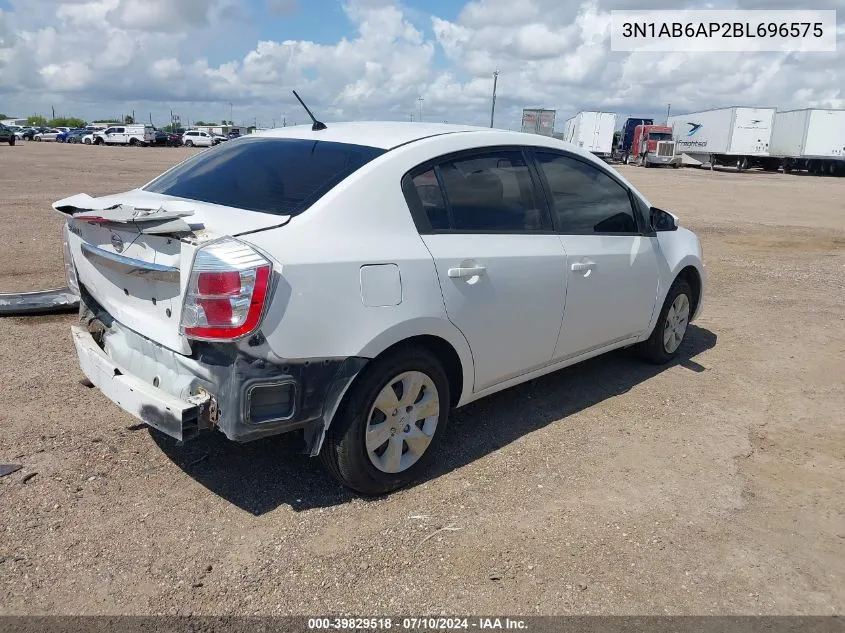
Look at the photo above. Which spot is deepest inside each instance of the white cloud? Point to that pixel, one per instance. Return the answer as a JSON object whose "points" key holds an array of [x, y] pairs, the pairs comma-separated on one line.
{"points": [[101, 56]]}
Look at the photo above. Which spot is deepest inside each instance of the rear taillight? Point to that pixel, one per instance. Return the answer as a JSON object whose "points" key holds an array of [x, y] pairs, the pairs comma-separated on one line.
{"points": [[227, 292], [70, 269]]}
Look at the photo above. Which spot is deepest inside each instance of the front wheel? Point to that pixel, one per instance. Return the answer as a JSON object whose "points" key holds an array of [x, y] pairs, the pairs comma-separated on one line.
{"points": [[390, 423], [671, 327], [12, 140]]}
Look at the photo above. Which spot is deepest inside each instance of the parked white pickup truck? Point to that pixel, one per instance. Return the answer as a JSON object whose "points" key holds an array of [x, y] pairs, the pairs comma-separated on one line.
{"points": [[135, 134]]}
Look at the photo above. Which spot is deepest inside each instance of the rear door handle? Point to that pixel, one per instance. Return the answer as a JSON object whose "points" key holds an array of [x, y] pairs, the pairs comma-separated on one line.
{"points": [[466, 273], [580, 267]]}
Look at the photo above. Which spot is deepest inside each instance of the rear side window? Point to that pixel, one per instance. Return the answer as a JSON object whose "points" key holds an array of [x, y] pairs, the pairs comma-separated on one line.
{"points": [[585, 199], [485, 192], [270, 175]]}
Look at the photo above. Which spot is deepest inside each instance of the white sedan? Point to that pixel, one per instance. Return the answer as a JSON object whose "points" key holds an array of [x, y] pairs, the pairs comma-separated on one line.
{"points": [[47, 135], [356, 283]]}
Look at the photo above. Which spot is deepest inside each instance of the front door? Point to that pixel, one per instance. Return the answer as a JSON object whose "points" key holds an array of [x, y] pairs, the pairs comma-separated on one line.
{"points": [[612, 265], [501, 268]]}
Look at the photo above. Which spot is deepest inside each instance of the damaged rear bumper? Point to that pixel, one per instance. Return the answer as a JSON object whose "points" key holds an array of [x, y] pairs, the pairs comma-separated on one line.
{"points": [[219, 386], [178, 418]]}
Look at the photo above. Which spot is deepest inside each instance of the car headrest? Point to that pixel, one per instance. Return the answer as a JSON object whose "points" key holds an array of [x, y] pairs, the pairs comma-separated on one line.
{"points": [[487, 188]]}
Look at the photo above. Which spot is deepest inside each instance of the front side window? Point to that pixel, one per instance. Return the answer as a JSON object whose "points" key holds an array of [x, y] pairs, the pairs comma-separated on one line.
{"points": [[281, 176], [586, 199]]}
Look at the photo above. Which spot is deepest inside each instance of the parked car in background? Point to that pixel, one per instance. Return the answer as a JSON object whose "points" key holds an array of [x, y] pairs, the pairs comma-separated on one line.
{"points": [[435, 265], [49, 134], [7, 135], [29, 133], [234, 134], [76, 136], [219, 138], [161, 138], [134, 135], [63, 136], [198, 138], [174, 139]]}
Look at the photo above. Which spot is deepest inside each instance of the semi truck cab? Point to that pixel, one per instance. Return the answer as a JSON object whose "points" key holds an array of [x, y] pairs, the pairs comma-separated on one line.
{"points": [[653, 145]]}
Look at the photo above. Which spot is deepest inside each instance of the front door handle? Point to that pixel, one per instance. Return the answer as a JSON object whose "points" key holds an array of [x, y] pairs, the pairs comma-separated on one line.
{"points": [[466, 273], [580, 267]]}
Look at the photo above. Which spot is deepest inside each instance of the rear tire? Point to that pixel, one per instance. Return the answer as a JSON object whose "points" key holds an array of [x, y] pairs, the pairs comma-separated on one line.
{"points": [[12, 140], [189, 143], [351, 453], [671, 327]]}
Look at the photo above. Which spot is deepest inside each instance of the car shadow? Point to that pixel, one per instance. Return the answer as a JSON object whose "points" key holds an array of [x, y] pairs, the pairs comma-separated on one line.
{"points": [[260, 476]]}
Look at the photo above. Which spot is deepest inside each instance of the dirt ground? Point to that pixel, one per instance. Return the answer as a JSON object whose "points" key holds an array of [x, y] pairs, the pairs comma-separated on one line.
{"points": [[715, 485]]}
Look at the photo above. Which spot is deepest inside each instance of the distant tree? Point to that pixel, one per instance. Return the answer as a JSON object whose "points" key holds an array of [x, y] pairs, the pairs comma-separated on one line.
{"points": [[36, 120], [128, 120], [3, 116], [202, 123], [65, 121]]}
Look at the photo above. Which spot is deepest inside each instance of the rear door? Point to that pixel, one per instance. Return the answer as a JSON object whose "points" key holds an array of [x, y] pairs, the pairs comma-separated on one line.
{"points": [[611, 262], [501, 267]]}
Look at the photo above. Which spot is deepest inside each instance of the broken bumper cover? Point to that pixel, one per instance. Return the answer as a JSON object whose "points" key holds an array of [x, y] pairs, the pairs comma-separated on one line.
{"points": [[218, 387], [152, 405], [38, 302]]}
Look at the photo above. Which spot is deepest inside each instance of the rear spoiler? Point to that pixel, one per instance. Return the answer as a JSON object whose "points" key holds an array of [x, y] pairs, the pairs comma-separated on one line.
{"points": [[164, 219]]}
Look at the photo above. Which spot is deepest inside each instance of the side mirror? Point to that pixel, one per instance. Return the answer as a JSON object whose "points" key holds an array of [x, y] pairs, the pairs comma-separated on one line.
{"points": [[663, 220]]}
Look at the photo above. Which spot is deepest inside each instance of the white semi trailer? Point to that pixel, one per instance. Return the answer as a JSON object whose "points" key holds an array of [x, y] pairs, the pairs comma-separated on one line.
{"points": [[736, 136], [811, 139], [591, 131]]}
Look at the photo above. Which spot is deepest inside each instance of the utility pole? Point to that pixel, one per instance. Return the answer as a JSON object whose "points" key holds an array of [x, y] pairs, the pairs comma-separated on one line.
{"points": [[231, 110], [420, 100], [54, 112], [274, 124], [668, 109], [412, 117], [284, 121], [151, 118], [493, 105]]}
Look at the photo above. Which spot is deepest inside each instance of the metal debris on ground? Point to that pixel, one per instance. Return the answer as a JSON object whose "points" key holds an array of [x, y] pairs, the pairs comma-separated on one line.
{"points": [[8, 469], [38, 302]]}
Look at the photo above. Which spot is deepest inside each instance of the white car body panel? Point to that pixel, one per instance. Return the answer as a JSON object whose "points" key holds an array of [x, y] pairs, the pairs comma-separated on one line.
{"points": [[611, 292], [511, 312], [527, 315]]}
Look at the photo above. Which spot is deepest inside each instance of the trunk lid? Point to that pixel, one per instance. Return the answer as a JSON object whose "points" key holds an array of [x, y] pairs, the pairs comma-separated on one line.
{"points": [[133, 253]]}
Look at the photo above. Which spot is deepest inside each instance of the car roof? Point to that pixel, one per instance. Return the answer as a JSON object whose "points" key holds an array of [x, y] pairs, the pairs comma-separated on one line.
{"points": [[382, 134]]}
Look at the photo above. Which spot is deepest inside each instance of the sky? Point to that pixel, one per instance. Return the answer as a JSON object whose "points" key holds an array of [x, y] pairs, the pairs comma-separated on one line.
{"points": [[374, 59]]}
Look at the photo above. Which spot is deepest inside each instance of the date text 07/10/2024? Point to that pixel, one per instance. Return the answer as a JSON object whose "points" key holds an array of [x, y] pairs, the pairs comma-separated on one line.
{"points": [[417, 624]]}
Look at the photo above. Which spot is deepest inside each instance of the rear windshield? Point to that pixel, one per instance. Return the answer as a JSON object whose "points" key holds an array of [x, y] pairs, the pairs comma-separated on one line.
{"points": [[281, 176]]}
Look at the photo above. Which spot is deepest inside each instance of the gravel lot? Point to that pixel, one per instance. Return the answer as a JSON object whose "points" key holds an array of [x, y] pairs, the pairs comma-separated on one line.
{"points": [[715, 485]]}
